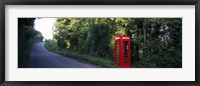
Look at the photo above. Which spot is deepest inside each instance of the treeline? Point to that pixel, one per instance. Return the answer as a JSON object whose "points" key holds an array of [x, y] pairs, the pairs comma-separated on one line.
{"points": [[155, 42], [27, 36]]}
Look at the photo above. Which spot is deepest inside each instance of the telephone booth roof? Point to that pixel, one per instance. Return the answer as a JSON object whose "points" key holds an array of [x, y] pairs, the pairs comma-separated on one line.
{"points": [[122, 36]]}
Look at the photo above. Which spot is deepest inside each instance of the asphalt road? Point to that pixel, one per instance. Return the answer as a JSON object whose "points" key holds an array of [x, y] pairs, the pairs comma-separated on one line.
{"points": [[42, 58]]}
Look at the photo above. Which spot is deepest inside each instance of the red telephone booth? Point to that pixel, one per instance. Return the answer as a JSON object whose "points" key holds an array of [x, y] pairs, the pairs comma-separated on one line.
{"points": [[122, 51]]}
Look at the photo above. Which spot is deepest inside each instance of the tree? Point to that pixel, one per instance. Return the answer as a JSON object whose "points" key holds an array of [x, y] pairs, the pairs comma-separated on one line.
{"points": [[156, 41], [27, 36]]}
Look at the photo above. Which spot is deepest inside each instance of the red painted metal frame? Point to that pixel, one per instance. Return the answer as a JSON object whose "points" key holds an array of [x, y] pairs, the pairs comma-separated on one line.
{"points": [[121, 63]]}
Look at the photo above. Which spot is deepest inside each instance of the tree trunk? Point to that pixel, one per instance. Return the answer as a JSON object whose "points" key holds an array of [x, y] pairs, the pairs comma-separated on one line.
{"points": [[144, 42]]}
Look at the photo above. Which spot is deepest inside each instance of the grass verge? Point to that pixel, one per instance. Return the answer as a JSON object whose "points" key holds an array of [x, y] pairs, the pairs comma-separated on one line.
{"points": [[51, 46]]}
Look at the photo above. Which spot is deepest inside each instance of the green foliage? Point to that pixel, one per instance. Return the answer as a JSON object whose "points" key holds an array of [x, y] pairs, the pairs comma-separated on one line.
{"points": [[92, 36], [163, 43], [27, 36], [51, 46], [157, 42], [25, 22]]}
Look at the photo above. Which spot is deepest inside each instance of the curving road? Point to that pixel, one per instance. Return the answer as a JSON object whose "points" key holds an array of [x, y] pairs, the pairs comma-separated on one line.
{"points": [[42, 58]]}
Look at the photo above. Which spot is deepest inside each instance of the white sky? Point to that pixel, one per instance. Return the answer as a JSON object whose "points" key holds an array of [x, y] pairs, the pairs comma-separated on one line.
{"points": [[45, 26]]}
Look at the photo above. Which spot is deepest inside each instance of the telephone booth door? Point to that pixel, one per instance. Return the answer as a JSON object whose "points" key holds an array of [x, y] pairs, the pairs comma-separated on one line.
{"points": [[117, 51]]}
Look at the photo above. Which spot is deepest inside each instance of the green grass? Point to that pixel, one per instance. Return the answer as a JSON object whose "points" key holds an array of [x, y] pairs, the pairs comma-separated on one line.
{"points": [[51, 46]]}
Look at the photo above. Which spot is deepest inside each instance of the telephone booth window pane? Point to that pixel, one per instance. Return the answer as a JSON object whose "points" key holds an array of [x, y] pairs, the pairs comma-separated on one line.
{"points": [[125, 52], [117, 52]]}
